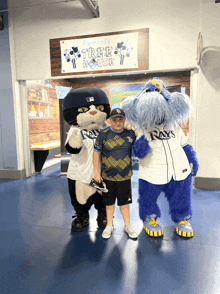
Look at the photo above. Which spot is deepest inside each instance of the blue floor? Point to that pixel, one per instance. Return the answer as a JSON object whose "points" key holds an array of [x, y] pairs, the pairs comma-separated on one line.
{"points": [[39, 254]]}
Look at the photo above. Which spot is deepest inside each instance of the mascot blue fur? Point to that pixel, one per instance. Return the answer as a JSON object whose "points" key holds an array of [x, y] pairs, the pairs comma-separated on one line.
{"points": [[85, 110], [167, 161]]}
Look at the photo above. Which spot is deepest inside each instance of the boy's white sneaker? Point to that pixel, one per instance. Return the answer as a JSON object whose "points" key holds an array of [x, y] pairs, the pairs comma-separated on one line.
{"points": [[107, 232], [130, 231]]}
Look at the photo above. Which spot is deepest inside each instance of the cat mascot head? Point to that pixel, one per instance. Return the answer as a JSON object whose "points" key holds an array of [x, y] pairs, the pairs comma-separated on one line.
{"points": [[155, 105], [86, 107]]}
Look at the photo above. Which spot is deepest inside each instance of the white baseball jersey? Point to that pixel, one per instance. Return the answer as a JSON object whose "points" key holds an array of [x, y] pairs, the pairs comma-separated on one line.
{"points": [[81, 165], [167, 158]]}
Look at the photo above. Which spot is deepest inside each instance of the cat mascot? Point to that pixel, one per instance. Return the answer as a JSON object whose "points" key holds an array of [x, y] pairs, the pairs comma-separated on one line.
{"points": [[85, 110], [167, 161]]}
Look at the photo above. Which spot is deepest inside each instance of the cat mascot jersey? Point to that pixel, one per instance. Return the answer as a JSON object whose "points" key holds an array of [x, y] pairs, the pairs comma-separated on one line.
{"points": [[86, 110], [166, 160]]}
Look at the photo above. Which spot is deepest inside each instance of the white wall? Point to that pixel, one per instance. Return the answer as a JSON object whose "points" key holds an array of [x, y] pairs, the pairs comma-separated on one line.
{"points": [[208, 100], [173, 30], [174, 27], [8, 155]]}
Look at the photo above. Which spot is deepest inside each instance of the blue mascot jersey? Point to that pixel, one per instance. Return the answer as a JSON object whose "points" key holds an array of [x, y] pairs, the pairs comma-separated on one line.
{"points": [[116, 148], [167, 158]]}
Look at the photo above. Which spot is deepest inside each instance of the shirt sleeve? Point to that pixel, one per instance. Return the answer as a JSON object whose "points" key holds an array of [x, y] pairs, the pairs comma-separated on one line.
{"points": [[182, 137], [69, 133], [133, 137], [98, 143]]}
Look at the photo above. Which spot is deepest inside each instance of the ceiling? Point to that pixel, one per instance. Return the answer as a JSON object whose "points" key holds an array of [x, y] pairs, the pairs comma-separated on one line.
{"points": [[90, 5]]}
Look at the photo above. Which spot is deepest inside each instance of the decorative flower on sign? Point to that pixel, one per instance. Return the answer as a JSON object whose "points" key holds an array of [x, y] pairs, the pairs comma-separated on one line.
{"points": [[72, 55], [122, 50]]}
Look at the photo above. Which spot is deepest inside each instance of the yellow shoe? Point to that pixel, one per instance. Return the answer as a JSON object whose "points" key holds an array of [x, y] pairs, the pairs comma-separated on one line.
{"points": [[184, 229], [152, 228]]}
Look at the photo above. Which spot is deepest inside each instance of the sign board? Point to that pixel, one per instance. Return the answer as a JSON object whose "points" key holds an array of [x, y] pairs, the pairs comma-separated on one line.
{"points": [[100, 53]]}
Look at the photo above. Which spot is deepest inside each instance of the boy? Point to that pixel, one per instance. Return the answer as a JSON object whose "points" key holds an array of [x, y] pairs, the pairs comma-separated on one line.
{"points": [[114, 144]]}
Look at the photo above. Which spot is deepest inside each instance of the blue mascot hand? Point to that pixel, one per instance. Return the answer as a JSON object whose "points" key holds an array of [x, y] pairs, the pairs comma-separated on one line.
{"points": [[191, 155], [141, 147]]}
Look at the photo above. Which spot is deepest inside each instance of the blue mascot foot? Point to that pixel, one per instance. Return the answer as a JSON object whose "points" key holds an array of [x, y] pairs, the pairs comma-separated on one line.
{"points": [[184, 228], [151, 227]]}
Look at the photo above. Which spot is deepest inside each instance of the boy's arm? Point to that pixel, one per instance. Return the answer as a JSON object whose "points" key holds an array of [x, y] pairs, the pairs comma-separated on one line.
{"points": [[96, 159]]}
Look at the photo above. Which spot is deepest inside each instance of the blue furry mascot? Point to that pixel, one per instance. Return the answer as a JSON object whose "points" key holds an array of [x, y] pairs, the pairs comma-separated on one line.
{"points": [[166, 160]]}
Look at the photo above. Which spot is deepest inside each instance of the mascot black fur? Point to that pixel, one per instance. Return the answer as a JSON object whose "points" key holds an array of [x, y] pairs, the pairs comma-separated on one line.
{"points": [[86, 110]]}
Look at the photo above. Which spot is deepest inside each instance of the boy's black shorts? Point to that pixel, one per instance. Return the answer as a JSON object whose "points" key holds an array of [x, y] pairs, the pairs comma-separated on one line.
{"points": [[120, 190]]}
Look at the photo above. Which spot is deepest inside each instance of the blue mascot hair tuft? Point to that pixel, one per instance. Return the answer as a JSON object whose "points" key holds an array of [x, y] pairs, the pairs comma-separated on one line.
{"points": [[129, 105], [179, 106], [152, 110], [155, 105]]}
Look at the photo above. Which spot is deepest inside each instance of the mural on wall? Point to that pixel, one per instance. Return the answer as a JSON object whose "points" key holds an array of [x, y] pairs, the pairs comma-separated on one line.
{"points": [[100, 53], [62, 91], [121, 91], [43, 112]]}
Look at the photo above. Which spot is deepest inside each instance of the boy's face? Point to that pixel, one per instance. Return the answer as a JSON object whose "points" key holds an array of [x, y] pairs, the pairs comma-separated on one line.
{"points": [[117, 123]]}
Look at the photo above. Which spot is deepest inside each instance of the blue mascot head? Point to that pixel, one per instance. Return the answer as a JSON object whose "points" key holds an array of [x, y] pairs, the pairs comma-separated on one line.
{"points": [[155, 105]]}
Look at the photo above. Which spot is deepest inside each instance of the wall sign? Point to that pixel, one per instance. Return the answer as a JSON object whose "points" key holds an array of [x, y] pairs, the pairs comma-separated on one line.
{"points": [[100, 53]]}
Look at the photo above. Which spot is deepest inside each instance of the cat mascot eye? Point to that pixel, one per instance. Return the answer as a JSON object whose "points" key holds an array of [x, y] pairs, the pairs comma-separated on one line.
{"points": [[100, 107], [83, 109]]}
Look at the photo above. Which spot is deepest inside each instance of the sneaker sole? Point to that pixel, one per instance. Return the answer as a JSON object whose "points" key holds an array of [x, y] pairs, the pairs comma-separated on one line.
{"points": [[131, 235], [184, 234], [106, 237], [152, 233]]}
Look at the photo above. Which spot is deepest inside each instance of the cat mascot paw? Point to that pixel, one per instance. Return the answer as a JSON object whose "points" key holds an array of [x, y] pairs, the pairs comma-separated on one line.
{"points": [[85, 110], [166, 160], [75, 140]]}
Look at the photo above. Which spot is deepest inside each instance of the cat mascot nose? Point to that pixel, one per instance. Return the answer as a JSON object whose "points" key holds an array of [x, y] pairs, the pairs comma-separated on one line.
{"points": [[92, 112]]}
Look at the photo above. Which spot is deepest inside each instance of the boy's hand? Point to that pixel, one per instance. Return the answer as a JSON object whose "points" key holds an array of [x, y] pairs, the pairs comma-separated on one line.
{"points": [[100, 187], [98, 178]]}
